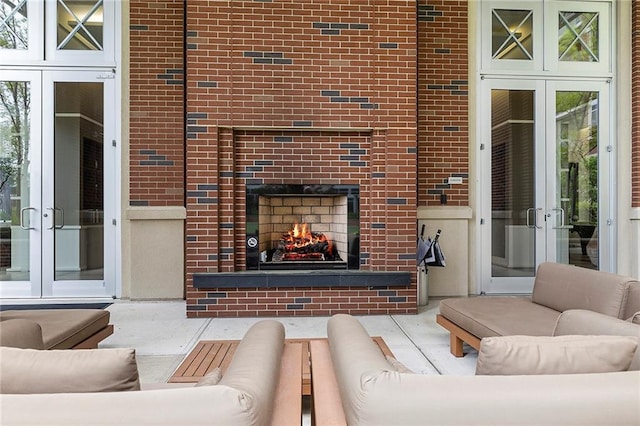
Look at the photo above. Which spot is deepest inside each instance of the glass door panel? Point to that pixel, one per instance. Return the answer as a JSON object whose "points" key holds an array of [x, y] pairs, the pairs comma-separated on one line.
{"points": [[75, 197], [77, 215], [513, 209], [19, 185], [580, 174], [513, 206]]}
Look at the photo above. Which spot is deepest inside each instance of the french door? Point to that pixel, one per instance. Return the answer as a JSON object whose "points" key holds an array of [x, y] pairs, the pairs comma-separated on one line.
{"points": [[57, 166], [545, 159]]}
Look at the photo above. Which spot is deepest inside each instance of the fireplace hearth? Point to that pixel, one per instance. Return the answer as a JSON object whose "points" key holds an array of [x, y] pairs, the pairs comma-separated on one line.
{"points": [[302, 227]]}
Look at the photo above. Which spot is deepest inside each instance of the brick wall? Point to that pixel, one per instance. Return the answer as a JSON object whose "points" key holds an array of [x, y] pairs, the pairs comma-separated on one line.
{"points": [[337, 79], [156, 157], [635, 105], [443, 128]]}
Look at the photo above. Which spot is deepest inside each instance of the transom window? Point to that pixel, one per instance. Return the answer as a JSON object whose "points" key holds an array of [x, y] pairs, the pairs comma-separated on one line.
{"points": [[546, 36], [80, 25], [57, 32]]}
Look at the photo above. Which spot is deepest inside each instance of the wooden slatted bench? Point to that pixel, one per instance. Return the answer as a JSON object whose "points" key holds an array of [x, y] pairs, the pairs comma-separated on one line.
{"points": [[210, 354]]}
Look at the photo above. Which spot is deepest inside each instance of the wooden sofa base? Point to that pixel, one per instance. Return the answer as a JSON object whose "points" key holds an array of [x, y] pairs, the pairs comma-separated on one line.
{"points": [[92, 341], [287, 409], [458, 336]]}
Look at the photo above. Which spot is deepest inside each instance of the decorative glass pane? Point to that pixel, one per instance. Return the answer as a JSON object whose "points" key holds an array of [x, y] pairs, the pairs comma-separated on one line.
{"points": [[80, 24], [578, 36], [13, 24], [512, 34]]}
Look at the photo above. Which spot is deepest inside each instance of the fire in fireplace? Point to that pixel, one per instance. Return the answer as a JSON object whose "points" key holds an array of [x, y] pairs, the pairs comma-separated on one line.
{"points": [[293, 226], [299, 243]]}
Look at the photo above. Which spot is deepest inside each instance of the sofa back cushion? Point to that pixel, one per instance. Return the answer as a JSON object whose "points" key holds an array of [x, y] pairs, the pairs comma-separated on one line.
{"points": [[633, 300], [525, 355], [254, 370], [578, 321], [67, 371], [561, 287], [21, 333], [357, 362]]}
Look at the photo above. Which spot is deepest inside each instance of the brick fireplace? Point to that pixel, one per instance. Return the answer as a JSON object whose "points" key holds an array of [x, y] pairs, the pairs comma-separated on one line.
{"points": [[300, 112]]}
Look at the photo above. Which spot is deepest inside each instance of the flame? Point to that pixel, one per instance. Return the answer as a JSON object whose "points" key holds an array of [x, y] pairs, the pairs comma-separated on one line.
{"points": [[300, 235]]}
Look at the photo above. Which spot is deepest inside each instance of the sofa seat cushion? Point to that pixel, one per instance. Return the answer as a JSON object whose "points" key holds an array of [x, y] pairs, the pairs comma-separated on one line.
{"points": [[21, 333], [524, 355], [487, 316], [63, 328], [31, 371]]}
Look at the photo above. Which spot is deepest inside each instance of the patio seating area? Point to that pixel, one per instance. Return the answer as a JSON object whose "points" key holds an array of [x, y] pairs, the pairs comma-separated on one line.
{"points": [[163, 337]]}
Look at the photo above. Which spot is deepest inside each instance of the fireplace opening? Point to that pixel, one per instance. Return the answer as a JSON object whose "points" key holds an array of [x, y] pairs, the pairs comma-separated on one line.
{"points": [[303, 227]]}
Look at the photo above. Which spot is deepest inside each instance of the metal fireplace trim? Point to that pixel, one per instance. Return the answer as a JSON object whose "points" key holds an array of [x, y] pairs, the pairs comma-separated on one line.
{"points": [[253, 251]]}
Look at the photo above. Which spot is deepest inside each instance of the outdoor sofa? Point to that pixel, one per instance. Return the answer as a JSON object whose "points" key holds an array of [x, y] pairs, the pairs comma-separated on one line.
{"points": [[355, 384], [60, 328], [261, 386], [557, 288]]}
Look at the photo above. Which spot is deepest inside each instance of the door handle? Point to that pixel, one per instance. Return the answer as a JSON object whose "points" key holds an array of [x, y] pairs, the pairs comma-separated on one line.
{"points": [[22, 212], [529, 225], [54, 218], [536, 218], [561, 210]]}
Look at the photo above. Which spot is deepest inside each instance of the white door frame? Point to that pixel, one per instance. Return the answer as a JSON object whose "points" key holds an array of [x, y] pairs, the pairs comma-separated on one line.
{"points": [[79, 288], [545, 178]]}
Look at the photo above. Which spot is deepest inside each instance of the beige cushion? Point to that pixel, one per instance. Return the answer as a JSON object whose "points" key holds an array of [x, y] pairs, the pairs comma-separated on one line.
{"points": [[372, 395], [579, 321], [63, 328], [562, 287], [397, 365], [211, 378], [523, 355], [487, 316], [21, 333], [633, 299], [62, 371]]}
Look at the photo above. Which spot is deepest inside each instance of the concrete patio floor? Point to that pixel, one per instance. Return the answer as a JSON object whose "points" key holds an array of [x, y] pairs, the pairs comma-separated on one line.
{"points": [[163, 336]]}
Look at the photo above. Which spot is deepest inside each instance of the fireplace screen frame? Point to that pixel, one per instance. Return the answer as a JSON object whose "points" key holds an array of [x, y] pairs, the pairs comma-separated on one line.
{"points": [[255, 253]]}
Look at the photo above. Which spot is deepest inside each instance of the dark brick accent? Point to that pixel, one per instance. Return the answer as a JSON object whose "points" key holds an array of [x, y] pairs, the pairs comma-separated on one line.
{"points": [[302, 300], [207, 187], [397, 201], [138, 202], [283, 139], [207, 84]]}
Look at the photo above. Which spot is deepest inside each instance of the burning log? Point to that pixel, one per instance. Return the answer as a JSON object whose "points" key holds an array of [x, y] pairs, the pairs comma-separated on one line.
{"points": [[302, 244]]}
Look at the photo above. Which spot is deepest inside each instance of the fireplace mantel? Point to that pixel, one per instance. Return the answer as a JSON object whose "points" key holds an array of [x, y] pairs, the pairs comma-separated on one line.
{"points": [[310, 278], [303, 129]]}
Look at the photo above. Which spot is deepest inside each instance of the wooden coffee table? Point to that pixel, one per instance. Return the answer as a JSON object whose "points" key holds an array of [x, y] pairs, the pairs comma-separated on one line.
{"points": [[210, 354]]}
